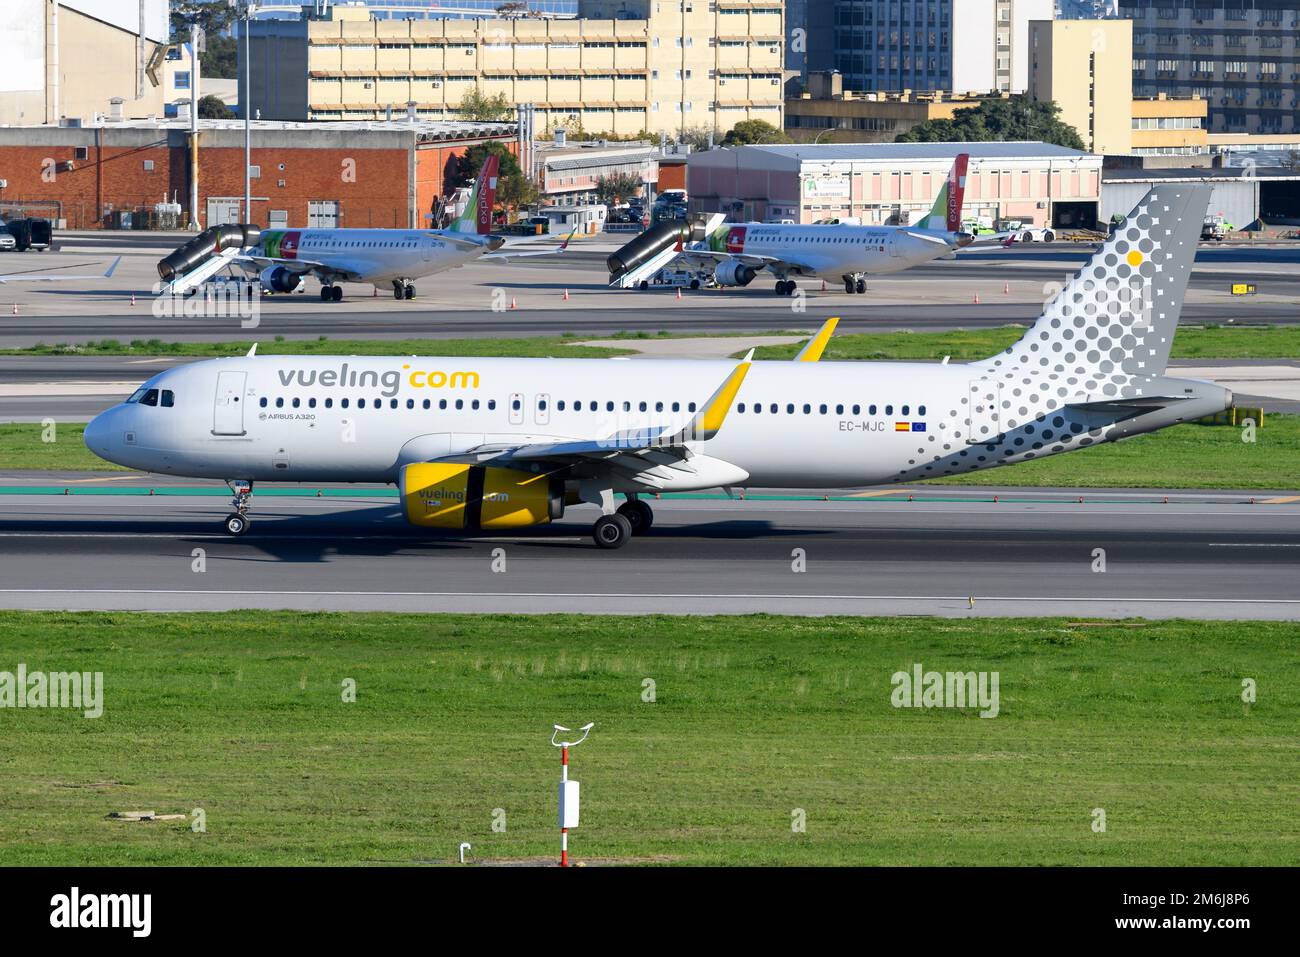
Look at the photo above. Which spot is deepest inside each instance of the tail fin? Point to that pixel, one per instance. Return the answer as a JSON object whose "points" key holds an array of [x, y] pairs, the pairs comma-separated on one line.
{"points": [[945, 214], [1117, 317], [477, 217]]}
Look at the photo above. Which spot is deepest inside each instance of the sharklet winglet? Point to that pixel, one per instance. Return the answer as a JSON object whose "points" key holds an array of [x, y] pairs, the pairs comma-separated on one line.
{"points": [[814, 347]]}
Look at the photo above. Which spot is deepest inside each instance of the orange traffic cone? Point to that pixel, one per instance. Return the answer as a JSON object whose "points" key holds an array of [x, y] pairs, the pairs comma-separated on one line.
{"points": [[679, 292], [566, 295], [823, 285], [1006, 289], [512, 302], [977, 299]]}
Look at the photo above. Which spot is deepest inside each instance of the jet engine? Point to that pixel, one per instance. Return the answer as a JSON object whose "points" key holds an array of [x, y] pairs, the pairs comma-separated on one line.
{"points": [[279, 279], [732, 272], [449, 495]]}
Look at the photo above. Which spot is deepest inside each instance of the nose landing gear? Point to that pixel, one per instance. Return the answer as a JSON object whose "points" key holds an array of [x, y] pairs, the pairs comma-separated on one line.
{"points": [[236, 522]]}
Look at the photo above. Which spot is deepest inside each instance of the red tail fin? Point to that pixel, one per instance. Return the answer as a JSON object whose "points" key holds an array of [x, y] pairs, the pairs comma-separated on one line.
{"points": [[487, 193], [956, 190]]}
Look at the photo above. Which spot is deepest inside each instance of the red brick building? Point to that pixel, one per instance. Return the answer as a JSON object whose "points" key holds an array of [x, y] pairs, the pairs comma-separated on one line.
{"points": [[305, 174]]}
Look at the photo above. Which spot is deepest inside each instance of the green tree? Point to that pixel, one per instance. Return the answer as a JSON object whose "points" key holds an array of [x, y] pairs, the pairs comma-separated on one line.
{"points": [[212, 17], [220, 59], [616, 187], [480, 108], [1011, 118], [754, 131], [212, 108]]}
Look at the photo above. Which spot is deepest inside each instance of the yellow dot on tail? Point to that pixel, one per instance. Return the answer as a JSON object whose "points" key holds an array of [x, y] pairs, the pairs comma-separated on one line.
{"points": [[1135, 258]]}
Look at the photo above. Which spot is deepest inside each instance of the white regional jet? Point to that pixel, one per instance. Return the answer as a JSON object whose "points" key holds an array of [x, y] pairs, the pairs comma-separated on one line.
{"points": [[382, 256], [843, 253], [504, 443]]}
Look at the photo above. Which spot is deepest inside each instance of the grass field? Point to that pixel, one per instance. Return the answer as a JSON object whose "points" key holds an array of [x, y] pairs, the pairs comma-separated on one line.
{"points": [[1225, 342], [560, 347], [1185, 456], [1200, 342], [754, 718]]}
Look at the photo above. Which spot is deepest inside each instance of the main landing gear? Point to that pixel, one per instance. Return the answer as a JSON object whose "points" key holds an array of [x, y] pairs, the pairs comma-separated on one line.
{"points": [[854, 284], [237, 521], [786, 287], [633, 517], [403, 290], [331, 293]]}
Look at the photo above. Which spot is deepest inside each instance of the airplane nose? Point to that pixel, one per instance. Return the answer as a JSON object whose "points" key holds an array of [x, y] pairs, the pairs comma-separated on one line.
{"points": [[96, 435]]}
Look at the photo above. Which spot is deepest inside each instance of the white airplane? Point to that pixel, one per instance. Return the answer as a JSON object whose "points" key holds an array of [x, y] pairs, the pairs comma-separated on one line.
{"points": [[738, 252], [506, 443], [280, 258], [57, 276]]}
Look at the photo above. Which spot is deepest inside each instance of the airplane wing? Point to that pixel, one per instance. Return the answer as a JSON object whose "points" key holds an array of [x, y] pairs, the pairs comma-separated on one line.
{"points": [[507, 254], [649, 455], [302, 267], [57, 277]]}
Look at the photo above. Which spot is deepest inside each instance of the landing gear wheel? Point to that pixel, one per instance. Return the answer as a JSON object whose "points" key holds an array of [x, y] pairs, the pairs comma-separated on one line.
{"points": [[860, 286], [848, 286], [611, 531], [336, 293], [236, 524], [639, 515], [695, 284], [399, 290], [409, 291], [326, 292]]}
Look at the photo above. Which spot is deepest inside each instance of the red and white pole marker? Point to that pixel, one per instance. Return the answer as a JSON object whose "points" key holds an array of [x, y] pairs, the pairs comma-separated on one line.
{"points": [[568, 789], [566, 295], [133, 299], [15, 309], [1006, 288]]}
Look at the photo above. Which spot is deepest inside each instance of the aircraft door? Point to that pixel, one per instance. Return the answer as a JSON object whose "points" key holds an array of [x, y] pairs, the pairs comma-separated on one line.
{"points": [[228, 412], [892, 243]]}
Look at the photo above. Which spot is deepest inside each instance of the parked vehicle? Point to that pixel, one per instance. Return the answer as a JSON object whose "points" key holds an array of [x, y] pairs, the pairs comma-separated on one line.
{"points": [[1213, 229]]}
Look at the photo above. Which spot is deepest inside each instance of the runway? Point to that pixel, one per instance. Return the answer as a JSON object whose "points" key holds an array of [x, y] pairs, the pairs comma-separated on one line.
{"points": [[951, 552]]}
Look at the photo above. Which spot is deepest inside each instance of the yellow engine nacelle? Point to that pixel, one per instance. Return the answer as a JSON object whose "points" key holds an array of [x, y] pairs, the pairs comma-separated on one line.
{"points": [[438, 495]]}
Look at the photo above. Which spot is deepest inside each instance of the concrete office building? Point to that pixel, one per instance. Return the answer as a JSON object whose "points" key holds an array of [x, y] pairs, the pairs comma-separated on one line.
{"points": [[1241, 56], [619, 66], [69, 60], [1084, 66], [936, 45]]}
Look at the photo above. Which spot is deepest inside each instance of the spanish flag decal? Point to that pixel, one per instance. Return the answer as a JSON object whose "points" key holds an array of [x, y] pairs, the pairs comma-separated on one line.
{"points": [[902, 426]]}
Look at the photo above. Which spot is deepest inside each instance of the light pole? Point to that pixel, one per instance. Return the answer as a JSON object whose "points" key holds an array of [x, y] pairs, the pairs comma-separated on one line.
{"points": [[246, 9]]}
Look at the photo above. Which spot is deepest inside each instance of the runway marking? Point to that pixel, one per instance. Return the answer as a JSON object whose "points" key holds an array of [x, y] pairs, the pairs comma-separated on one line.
{"points": [[190, 592], [107, 478], [1252, 545], [1281, 501], [878, 492]]}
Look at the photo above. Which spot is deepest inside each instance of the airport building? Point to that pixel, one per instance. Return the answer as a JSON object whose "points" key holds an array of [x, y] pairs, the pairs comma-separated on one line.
{"points": [[953, 46], [825, 112], [890, 183], [570, 171], [135, 173], [69, 60], [1270, 194], [1241, 56], [619, 67]]}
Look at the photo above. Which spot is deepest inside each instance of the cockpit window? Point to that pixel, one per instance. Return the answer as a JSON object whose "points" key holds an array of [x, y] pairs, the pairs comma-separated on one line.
{"points": [[138, 394], [168, 398], [150, 397]]}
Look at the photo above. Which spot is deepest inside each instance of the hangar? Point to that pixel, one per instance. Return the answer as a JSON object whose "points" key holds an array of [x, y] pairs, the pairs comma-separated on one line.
{"points": [[895, 183], [118, 174], [1240, 196]]}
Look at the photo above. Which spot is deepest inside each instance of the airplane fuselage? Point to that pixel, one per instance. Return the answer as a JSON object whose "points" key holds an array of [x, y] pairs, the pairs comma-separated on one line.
{"points": [[376, 256], [797, 425], [833, 251]]}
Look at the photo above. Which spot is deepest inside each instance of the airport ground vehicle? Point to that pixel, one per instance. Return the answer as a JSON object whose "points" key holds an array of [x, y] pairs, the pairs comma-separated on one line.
{"points": [[497, 443]]}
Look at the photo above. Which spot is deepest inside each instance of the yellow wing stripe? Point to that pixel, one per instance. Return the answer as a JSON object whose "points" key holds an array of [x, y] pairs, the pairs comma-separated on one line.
{"points": [[709, 419], [817, 344]]}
